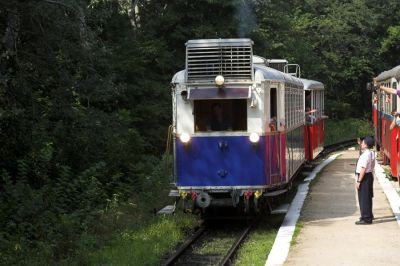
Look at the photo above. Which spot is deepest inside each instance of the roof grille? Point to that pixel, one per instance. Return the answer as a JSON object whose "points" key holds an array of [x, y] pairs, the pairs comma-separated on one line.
{"points": [[231, 58]]}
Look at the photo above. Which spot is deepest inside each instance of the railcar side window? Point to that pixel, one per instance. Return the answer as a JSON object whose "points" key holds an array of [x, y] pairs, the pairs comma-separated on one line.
{"points": [[273, 110], [220, 115], [294, 106], [308, 99], [394, 98]]}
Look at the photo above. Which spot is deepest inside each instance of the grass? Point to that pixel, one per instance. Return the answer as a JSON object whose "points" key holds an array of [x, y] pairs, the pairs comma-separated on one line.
{"points": [[256, 248], [388, 172], [145, 245], [315, 180], [350, 128], [297, 230]]}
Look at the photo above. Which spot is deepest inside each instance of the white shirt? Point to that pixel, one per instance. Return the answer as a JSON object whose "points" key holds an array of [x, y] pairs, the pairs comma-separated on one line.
{"points": [[367, 161], [397, 119]]}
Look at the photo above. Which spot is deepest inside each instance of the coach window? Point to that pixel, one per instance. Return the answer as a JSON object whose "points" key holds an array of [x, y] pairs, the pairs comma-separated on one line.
{"points": [[319, 104], [394, 97], [314, 100], [288, 106], [273, 111]]}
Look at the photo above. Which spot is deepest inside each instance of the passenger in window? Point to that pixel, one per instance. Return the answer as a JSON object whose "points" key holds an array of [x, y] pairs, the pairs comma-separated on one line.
{"points": [[375, 101], [396, 120], [387, 89], [218, 121]]}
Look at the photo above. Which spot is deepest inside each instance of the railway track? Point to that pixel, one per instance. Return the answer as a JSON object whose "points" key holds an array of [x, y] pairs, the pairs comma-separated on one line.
{"points": [[212, 244], [217, 243]]}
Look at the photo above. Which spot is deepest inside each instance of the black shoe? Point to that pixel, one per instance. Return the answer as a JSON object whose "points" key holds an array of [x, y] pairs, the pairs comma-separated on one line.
{"points": [[362, 222]]}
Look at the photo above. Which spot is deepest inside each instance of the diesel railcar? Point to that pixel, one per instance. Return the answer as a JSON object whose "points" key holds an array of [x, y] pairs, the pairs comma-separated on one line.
{"points": [[239, 125]]}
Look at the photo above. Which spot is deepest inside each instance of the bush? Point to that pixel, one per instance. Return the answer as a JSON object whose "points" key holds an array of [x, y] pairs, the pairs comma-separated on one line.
{"points": [[346, 129]]}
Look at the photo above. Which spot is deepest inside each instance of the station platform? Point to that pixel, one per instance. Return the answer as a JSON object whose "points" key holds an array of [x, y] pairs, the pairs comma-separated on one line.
{"points": [[329, 236]]}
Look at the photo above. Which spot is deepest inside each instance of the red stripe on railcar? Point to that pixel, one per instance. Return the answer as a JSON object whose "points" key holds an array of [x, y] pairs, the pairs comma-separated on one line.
{"points": [[393, 151], [314, 139]]}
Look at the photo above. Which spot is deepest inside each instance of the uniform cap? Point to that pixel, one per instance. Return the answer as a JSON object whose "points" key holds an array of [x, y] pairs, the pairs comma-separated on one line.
{"points": [[369, 141]]}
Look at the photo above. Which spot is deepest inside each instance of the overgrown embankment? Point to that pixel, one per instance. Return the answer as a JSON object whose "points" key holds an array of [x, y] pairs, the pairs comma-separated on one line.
{"points": [[345, 129]]}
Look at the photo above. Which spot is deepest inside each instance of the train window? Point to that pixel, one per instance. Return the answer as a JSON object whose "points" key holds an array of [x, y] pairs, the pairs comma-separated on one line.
{"points": [[294, 106], [273, 107], [319, 103], [308, 99], [220, 115], [273, 110], [394, 98]]}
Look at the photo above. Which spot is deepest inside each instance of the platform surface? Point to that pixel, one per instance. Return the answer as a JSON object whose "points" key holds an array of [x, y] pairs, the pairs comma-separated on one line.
{"points": [[329, 235]]}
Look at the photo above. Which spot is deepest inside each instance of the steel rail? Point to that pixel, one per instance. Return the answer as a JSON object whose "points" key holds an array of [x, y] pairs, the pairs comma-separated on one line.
{"points": [[227, 259], [171, 260]]}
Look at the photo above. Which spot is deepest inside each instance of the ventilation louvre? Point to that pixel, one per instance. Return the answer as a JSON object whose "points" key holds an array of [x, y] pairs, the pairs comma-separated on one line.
{"points": [[231, 58]]}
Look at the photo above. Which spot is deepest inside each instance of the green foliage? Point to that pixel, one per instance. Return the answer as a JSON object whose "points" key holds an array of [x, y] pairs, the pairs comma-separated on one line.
{"points": [[390, 44], [85, 103], [346, 129], [145, 245]]}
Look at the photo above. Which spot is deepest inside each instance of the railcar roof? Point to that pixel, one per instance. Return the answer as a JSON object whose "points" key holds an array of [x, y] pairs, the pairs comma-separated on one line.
{"points": [[392, 73], [312, 84], [273, 74], [206, 42]]}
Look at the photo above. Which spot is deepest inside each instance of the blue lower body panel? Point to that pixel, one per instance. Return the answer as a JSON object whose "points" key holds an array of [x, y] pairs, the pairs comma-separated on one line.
{"points": [[221, 161]]}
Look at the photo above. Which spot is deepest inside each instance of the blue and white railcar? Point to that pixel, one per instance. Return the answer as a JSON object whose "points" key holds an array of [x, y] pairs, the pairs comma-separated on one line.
{"points": [[261, 144]]}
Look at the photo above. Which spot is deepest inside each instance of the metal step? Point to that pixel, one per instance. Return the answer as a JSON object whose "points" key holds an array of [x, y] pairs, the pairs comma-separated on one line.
{"points": [[169, 209], [275, 193], [282, 209], [173, 193]]}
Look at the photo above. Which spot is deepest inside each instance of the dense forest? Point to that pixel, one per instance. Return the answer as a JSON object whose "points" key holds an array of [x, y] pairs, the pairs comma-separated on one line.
{"points": [[85, 98]]}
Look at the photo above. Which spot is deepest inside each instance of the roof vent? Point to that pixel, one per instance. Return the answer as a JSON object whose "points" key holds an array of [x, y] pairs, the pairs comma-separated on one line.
{"points": [[278, 64], [231, 58]]}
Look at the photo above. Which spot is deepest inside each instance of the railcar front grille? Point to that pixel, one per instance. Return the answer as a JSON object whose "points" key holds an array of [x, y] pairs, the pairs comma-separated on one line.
{"points": [[205, 59]]}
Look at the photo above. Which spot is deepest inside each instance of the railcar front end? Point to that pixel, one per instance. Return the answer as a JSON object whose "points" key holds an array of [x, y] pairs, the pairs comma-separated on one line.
{"points": [[238, 126]]}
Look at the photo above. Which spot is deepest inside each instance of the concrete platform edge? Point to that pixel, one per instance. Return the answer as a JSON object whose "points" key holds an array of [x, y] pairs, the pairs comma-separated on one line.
{"points": [[281, 246], [390, 192]]}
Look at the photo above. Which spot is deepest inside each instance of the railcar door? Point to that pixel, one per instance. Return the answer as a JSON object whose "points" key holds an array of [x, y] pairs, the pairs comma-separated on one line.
{"points": [[274, 166]]}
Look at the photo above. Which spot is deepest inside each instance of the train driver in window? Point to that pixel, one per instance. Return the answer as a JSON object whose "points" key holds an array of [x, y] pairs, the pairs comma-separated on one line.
{"points": [[273, 124], [218, 121], [310, 118]]}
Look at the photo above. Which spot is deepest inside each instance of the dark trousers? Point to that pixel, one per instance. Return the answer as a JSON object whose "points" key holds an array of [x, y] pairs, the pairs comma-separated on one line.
{"points": [[365, 194]]}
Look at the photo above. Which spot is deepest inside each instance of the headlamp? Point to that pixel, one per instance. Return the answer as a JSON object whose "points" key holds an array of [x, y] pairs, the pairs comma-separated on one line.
{"points": [[254, 137], [219, 80], [184, 137]]}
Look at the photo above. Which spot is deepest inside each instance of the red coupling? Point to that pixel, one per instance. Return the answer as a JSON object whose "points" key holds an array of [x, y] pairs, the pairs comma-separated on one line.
{"points": [[248, 194], [194, 195]]}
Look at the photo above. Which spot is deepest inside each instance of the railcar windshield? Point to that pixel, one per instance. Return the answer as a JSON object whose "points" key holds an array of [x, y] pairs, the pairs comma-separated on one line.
{"points": [[220, 115]]}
